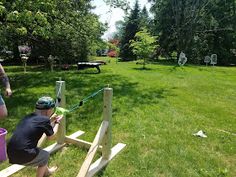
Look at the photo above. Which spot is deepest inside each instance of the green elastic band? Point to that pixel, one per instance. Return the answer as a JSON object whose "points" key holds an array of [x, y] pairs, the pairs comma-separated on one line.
{"points": [[61, 111]]}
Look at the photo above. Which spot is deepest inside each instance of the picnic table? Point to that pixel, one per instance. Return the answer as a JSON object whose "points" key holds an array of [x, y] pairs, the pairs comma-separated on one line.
{"points": [[84, 65]]}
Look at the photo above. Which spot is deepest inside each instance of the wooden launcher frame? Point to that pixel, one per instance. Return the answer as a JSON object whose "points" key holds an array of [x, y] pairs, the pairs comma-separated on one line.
{"points": [[101, 142]]}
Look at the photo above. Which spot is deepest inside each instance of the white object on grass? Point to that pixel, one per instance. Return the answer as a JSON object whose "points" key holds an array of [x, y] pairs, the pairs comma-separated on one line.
{"points": [[200, 133]]}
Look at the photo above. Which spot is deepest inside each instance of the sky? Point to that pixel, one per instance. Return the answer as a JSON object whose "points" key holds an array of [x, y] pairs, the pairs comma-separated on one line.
{"points": [[111, 15]]}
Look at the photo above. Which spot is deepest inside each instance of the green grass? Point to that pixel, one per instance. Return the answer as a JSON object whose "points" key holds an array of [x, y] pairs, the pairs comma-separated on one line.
{"points": [[155, 112]]}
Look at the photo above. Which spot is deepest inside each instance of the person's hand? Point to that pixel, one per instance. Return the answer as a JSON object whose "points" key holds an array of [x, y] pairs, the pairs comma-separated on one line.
{"points": [[8, 92], [58, 119], [53, 117]]}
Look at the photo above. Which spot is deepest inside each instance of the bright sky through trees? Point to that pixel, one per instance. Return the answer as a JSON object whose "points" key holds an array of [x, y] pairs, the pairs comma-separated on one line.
{"points": [[111, 15]]}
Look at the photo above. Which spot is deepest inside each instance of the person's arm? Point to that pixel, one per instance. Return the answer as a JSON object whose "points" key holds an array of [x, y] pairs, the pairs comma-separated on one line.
{"points": [[55, 130], [56, 124], [5, 81]]}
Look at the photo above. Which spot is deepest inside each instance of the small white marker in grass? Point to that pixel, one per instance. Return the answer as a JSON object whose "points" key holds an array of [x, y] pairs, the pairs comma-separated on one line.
{"points": [[200, 133]]}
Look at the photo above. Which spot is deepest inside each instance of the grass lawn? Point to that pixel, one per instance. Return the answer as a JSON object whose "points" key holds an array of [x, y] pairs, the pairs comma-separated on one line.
{"points": [[155, 112]]}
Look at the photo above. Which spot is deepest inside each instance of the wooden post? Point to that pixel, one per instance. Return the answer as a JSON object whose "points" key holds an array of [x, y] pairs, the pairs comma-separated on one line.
{"points": [[60, 92], [107, 116], [93, 149]]}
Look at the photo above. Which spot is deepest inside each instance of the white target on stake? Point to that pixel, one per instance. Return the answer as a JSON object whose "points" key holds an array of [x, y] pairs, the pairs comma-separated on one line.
{"points": [[182, 59], [213, 59], [207, 60]]}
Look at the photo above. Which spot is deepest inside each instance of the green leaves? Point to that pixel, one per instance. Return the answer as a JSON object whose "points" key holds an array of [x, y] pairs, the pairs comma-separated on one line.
{"points": [[42, 32], [143, 45], [198, 28], [21, 31], [130, 28], [13, 16], [26, 17], [41, 18], [62, 28], [2, 10]]}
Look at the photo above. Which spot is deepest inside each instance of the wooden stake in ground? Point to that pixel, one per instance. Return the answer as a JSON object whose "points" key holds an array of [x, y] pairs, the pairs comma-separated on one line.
{"points": [[60, 92]]}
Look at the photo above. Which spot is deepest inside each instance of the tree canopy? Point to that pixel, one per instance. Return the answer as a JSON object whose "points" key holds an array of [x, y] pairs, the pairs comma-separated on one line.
{"points": [[131, 27], [64, 28], [68, 29], [198, 28], [143, 45]]}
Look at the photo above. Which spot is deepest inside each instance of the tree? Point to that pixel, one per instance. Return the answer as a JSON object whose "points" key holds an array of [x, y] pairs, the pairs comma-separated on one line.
{"points": [[66, 29], [144, 19], [176, 20], [120, 26], [123, 4], [143, 45], [114, 50], [196, 27], [130, 29]]}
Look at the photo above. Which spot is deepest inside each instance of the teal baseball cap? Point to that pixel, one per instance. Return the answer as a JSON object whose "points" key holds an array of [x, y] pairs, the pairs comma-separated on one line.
{"points": [[45, 102]]}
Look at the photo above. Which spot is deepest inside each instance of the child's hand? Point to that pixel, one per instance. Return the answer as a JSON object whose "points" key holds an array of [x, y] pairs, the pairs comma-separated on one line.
{"points": [[58, 118], [53, 117], [8, 92]]}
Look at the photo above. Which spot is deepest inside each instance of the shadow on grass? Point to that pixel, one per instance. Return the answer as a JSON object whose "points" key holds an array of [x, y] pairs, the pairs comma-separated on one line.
{"points": [[170, 62], [29, 68], [143, 69], [88, 72], [39, 68], [176, 68], [173, 69], [101, 173], [127, 94], [28, 87]]}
